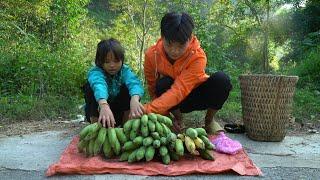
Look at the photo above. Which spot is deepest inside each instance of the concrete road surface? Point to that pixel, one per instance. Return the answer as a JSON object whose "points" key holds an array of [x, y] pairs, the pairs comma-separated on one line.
{"points": [[28, 157]]}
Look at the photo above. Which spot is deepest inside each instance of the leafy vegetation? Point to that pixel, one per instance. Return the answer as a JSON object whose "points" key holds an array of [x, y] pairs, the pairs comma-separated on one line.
{"points": [[47, 46]]}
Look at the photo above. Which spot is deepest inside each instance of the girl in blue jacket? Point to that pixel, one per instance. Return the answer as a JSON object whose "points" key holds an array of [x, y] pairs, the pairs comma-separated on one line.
{"points": [[113, 91]]}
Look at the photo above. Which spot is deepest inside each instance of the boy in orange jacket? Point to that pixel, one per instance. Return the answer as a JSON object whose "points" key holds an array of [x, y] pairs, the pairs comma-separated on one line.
{"points": [[175, 73]]}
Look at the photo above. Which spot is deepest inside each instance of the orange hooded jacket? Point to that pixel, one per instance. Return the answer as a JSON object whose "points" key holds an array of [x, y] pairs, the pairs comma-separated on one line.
{"points": [[188, 72]]}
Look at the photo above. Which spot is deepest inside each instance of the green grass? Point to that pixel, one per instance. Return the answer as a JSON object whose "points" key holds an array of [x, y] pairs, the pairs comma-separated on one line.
{"points": [[22, 107], [232, 107], [306, 106]]}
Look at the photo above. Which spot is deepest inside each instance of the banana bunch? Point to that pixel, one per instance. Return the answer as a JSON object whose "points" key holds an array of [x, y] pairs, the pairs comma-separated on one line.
{"points": [[196, 141], [144, 139], [150, 137], [95, 139]]}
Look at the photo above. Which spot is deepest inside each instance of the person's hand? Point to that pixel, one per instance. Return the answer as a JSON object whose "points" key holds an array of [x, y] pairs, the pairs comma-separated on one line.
{"points": [[136, 108], [106, 117]]}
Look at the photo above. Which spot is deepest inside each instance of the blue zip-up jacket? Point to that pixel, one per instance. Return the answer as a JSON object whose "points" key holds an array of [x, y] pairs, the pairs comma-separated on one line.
{"points": [[107, 87]]}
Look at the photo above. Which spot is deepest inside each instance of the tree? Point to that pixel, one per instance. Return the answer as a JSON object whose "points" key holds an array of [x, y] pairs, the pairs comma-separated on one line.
{"points": [[143, 16], [264, 25]]}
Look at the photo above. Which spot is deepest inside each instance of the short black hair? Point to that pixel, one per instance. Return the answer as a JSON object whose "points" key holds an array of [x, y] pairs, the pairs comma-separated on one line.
{"points": [[109, 45], [177, 27]]}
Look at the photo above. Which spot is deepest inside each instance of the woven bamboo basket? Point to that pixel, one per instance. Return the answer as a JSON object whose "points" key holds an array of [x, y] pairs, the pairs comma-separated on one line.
{"points": [[266, 105]]}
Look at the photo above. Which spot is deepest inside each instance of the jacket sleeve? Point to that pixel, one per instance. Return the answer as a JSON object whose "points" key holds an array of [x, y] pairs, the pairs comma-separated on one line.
{"points": [[149, 73], [189, 78], [132, 82], [98, 84]]}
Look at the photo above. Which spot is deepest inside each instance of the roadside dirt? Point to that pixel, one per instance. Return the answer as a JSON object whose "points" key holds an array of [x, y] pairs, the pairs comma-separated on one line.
{"points": [[73, 126], [28, 127], [293, 128]]}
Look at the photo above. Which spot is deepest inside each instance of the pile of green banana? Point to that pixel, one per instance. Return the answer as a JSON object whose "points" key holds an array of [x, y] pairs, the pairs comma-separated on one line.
{"points": [[150, 137], [143, 140], [95, 139], [196, 141]]}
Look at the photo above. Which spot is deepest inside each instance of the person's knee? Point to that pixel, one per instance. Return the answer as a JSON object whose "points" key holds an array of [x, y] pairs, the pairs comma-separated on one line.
{"points": [[222, 80], [163, 84]]}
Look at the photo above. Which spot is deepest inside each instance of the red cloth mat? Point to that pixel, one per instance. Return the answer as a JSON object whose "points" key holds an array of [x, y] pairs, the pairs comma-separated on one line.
{"points": [[73, 162]]}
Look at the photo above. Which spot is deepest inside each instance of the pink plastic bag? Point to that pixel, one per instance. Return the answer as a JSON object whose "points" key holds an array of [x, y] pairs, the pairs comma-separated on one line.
{"points": [[226, 145]]}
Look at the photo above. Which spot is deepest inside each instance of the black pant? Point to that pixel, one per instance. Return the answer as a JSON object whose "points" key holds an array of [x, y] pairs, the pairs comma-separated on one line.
{"points": [[210, 94], [120, 103]]}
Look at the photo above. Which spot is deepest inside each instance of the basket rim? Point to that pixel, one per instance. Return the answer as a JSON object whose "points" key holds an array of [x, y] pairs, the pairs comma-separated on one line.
{"points": [[266, 75]]}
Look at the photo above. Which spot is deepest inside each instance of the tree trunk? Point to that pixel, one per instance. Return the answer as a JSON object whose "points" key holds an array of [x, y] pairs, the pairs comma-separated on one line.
{"points": [[266, 42], [143, 37]]}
